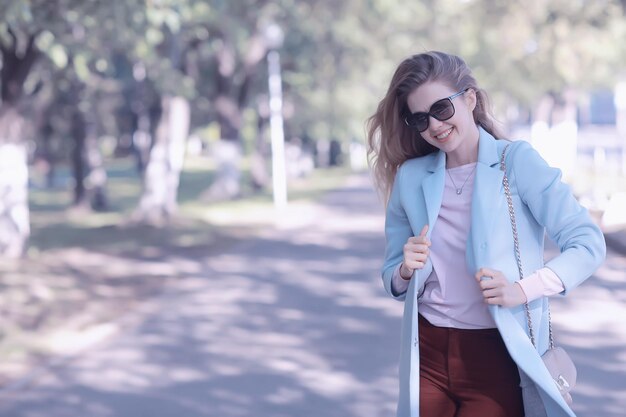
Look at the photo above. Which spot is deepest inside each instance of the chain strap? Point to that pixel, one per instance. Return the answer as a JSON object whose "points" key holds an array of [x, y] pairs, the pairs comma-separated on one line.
{"points": [[509, 200]]}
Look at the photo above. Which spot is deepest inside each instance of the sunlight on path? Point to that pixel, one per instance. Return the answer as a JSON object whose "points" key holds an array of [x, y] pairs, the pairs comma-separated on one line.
{"points": [[295, 322]]}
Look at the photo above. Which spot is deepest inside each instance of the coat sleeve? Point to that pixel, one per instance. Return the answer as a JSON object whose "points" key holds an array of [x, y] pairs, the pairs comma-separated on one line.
{"points": [[567, 223], [397, 232]]}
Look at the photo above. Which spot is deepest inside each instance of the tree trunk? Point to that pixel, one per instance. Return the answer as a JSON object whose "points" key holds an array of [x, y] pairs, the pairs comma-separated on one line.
{"points": [[47, 153], [14, 212], [146, 110], [227, 183], [90, 177], [227, 153], [141, 142], [259, 174], [233, 89], [162, 176], [79, 168], [96, 180]]}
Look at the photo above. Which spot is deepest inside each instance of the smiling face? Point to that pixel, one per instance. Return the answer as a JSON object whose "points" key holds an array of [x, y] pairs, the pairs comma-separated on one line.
{"points": [[457, 136]]}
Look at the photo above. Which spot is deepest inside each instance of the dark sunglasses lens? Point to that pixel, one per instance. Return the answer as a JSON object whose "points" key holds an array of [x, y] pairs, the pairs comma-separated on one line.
{"points": [[417, 121], [442, 110], [421, 121]]}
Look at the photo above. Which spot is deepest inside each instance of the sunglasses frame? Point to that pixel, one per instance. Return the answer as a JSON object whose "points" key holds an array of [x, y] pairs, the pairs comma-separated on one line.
{"points": [[429, 114]]}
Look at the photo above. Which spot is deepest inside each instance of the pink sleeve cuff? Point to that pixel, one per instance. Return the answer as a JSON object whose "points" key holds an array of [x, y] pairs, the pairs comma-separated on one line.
{"points": [[542, 283], [398, 284]]}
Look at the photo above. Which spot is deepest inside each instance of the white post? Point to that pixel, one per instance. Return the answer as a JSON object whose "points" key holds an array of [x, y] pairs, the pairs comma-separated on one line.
{"points": [[279, 179]]}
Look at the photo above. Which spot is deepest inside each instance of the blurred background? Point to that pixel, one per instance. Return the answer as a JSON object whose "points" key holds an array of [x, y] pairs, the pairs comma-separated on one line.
{"points": [[139, 136]]}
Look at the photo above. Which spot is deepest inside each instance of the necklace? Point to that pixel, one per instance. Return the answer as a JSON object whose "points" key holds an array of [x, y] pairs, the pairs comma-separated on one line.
{"points": [[459, 190]]}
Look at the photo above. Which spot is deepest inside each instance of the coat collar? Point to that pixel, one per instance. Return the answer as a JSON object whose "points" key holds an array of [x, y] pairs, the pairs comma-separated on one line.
{"points": [[438, 163], [487, 149], [487, 152]]}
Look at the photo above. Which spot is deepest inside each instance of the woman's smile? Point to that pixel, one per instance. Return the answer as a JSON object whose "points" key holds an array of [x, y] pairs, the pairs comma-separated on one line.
{"points": [[444, 135]]}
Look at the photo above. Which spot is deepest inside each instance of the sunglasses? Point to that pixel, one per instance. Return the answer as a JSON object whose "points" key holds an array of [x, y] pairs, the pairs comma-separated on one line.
{"points": [[441, 110]]}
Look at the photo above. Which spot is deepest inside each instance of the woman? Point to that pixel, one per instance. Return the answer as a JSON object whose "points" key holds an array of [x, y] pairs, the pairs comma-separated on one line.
{"points": [[450, 254]]}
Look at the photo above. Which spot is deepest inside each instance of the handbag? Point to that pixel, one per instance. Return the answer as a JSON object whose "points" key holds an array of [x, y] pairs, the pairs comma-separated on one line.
{"points": [[557, 361]]}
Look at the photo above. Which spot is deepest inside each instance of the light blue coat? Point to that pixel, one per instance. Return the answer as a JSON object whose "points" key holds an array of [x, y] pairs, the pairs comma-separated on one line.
{"points": [[542, 204]]}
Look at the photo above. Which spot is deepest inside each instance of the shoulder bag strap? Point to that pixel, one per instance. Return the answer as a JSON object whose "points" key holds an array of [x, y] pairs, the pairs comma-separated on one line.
{"points": [[509, 200]]}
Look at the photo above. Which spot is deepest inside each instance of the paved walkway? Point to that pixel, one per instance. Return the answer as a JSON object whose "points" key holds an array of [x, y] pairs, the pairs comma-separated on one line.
{"points": [[294, 322]]}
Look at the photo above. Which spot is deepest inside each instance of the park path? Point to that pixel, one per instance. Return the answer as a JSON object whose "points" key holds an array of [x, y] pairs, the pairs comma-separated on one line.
{"points": [[294, 322]]}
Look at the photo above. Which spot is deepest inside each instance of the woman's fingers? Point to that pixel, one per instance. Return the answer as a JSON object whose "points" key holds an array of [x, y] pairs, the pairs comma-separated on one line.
{"points": [[417, 240], [487, 273], [416, 250], [421, 238], [412, 258], [491, 282], [416, 247], [415, 264], [493, 292], [421, 257], [496, 289]]}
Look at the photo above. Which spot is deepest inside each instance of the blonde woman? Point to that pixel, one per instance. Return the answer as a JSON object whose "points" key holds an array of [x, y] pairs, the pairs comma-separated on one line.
{"points": [[435, 152]]}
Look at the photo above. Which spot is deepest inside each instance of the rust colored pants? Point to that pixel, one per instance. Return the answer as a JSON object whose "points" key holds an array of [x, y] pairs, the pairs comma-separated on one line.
{"points": [[466, 373]]}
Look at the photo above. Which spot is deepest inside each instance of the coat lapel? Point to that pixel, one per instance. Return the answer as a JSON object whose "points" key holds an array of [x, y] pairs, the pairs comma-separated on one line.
{"points": [[432, 187], [487, 199]]}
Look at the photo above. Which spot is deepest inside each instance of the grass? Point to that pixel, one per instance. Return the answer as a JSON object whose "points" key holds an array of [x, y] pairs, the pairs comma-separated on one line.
{"points": [[258, 209], [55, 225]]}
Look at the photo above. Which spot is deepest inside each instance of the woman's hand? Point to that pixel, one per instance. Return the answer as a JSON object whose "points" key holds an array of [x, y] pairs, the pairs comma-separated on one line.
{"points": [[498, 290], [416, 251]]}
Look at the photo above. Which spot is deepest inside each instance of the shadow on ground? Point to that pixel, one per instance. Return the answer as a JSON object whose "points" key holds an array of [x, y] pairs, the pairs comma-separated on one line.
{"points": [[294, 322], [290, 322]]}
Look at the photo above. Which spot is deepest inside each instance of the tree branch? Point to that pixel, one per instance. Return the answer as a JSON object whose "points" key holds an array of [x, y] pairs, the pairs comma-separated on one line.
{"points": [[14, 37], [16, 69]]}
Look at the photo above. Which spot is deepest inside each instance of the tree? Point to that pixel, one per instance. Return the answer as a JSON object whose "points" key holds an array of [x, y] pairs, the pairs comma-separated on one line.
{"points": [[166, 53], [239, 47], [64, 32], [19, 54], [176, 65]]}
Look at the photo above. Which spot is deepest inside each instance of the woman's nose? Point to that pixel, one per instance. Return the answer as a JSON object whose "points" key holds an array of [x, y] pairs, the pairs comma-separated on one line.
{"points": [[433, 123]]}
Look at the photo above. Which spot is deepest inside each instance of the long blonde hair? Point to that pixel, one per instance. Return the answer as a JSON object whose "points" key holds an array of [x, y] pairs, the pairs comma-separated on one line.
{"points": [[390, 141]]}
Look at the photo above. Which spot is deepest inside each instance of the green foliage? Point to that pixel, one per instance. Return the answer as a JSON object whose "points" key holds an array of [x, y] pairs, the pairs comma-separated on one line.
{"points": [[337, 56]]}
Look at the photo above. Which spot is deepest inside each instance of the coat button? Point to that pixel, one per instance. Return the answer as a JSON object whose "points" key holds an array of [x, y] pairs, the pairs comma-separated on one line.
{"points": [[483, 245]]}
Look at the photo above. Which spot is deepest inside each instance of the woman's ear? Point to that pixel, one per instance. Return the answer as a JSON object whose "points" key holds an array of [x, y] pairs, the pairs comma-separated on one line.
{"points": [[470, 99]]}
